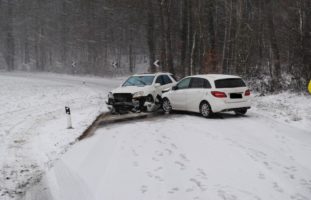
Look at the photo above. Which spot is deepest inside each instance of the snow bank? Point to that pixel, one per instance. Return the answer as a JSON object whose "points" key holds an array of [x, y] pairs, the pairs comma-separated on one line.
{"points": [[33, 123], [289, 108]]}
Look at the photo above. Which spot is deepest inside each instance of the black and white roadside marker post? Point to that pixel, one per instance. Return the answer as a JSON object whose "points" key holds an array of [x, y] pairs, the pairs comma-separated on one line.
{"points": [[69, 124]]}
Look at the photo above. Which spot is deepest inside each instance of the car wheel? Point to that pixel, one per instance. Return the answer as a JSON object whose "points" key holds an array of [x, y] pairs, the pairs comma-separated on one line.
{"points": [[149, 98], [166, 106], [241, 111], [205, 109]]}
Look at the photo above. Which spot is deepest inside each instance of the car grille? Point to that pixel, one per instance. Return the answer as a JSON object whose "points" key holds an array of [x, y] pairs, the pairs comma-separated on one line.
{"points": [[123, 97]]}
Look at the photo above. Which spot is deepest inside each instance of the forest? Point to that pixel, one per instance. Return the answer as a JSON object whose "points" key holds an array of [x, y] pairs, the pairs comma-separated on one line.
{"points": [[268, 41]]}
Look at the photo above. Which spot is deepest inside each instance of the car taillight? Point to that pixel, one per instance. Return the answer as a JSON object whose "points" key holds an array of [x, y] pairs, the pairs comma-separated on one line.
{"points": [[247, 93], [219, 94]]}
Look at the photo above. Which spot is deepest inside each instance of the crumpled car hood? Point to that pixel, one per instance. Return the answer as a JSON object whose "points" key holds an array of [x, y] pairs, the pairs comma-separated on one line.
{"points": [[131, 89]]}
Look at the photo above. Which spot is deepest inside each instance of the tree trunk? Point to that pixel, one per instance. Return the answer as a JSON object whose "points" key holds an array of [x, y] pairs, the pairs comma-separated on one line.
{"points": [[191, 71], [274, 44], [212, 62], [169, 51], [10, 45], [150, 36], [64, 32], [184, 36], [306, 42]]}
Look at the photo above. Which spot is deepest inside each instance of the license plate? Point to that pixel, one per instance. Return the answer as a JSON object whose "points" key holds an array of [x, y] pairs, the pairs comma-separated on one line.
{"points": [[235, 96]]}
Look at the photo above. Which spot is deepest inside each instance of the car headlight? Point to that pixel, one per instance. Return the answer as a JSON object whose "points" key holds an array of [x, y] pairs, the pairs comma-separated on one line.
{"points": [[110, 95], [138, 94]]}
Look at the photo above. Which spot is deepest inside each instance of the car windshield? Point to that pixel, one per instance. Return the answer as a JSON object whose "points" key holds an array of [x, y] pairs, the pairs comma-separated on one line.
{"points": [[138, 81]]}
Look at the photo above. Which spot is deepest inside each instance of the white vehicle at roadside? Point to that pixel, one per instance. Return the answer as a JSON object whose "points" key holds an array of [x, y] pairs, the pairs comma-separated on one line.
{"points": [[140, 92], [208, 94]]}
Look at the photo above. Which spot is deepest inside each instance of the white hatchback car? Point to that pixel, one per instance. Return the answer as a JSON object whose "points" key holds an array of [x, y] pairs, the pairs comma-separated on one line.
{"points": [[140, 92], [208, 94]]}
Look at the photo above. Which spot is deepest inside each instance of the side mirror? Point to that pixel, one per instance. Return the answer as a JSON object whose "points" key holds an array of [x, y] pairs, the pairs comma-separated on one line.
{"points": [[174, 87], [157, 85]]}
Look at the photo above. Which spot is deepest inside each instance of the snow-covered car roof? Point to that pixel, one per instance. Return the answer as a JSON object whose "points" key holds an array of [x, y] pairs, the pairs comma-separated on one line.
{"points": [[215, 76], [153, 74]]}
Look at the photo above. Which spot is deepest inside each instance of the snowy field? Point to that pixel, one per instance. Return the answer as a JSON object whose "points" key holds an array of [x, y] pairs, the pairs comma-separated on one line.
{"points": [[33, 122], [262, 156]]}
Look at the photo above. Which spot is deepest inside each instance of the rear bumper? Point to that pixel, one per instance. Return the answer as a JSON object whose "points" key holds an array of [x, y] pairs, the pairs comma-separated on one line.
{"points": [[221, 106]]}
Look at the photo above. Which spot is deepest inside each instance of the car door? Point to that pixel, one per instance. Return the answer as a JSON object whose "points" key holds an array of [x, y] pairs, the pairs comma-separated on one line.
{"points": [[196, 92], [168, 82], [165, 83], [178, 94], [160, 81]]}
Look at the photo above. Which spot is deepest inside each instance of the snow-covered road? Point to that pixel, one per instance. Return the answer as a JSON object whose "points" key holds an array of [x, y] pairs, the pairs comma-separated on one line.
{"points": [[262, 156], [184, 157], [33, 123]]}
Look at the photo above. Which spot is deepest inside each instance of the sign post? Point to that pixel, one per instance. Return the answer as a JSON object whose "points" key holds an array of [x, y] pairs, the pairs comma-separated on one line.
{"points": [[114, 65], [157, 64], [69, 123]]}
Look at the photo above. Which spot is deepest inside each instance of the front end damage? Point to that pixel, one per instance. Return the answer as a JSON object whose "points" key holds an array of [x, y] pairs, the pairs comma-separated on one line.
{"points": [[127, 102]]}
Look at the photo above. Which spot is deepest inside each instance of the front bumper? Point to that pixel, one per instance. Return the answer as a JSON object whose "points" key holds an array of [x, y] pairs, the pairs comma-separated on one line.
{"points": [[125, 105], [137, 104]]}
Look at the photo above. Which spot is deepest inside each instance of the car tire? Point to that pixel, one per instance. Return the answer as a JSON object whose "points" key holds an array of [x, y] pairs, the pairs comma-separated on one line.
{"points": [[149, 98], [166, 106], [241, 111], [205, 109]]}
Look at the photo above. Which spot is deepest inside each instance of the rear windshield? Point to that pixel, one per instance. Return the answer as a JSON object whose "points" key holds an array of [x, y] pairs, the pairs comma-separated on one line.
{"points": [[229, 83]]}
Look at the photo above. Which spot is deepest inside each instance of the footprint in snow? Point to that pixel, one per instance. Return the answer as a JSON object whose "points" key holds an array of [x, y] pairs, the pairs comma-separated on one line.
{"points": [[267, 165], [225, 195], [160, 141], [158, 169], [174, 146], [181, 165], [160, 154], [169, 152], [173, 190], [261, 176], [165, 137], [135, 164], [189, 190], [277, 187], [202, 173], [291, 168], [184, 157], [198, 184], [150, 174], [155, 159], [134, 153], [159, 178], [144, 189]]}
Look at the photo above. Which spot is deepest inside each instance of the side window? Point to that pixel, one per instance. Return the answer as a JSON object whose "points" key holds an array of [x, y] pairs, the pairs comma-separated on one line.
{"points": [[184, 84], [207, 84], [160, 80], [166, 79], [199, 83]]}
